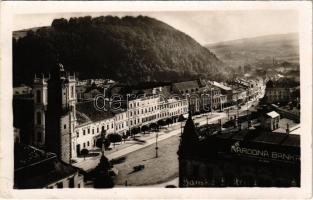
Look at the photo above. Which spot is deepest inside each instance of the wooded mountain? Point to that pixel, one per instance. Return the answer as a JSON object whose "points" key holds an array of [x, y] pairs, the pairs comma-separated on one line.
{"points": [[128, 49], [263, 49]]}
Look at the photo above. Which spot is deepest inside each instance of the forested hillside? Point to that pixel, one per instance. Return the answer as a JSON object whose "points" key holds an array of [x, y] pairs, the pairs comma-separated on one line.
{"points": [[128, 49]]}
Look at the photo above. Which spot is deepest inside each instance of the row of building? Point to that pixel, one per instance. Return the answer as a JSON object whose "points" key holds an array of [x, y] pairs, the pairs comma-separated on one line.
{"points": [[65, 126], [70, 115]]}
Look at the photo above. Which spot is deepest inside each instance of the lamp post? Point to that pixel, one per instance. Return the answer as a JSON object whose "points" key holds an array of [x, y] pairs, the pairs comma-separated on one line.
{"points": [[181, 127], [211, 100], [237, 105], [156, 145]]}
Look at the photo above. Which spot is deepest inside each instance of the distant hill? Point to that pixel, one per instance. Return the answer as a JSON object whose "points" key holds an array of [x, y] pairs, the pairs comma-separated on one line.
{"points": [[283, 47], [128, 49], [22, 33]]}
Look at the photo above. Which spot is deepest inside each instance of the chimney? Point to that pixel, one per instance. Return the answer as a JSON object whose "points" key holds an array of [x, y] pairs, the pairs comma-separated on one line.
{"points": [[287, 129], [236, 121]]}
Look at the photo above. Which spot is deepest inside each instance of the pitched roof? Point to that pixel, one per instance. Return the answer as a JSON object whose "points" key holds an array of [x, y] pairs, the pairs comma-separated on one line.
{"points": [[221, 86], [34, 168], [272, 114], [88, 109], [186, 85]]}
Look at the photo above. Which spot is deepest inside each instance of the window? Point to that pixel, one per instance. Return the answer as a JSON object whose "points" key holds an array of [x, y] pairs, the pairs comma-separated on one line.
{"points": [[38, 118], [107, 126], [60, 185], [111, 125], [97, 129], [71, 182], [88, 130], [38, 96], [196, 170], [39, 137], [93, 131], [64, 126], [84, 132], [72, 91], [88, 143], [84, 145], [77, 134]]}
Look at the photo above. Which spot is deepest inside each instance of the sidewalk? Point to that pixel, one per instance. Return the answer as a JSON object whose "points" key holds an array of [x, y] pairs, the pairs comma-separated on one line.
{"points": [[131, 146]]}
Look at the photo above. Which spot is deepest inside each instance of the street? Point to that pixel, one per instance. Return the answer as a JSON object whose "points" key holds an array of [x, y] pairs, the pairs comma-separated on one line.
{"points": [[156, 170]]}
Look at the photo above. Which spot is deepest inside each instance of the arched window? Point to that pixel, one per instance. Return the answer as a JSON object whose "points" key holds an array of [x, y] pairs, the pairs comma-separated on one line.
{"points": [[39, 137], [38, 118], [38, 96]]}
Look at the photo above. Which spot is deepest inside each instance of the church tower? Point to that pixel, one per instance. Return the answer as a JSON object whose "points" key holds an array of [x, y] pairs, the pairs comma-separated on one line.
{"points": [[189, 144], [61, 113], [40, 94]]}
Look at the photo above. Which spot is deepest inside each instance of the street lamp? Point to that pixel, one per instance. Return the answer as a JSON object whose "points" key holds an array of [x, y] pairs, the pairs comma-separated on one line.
{"points": [[156, 145], [211, 100]]}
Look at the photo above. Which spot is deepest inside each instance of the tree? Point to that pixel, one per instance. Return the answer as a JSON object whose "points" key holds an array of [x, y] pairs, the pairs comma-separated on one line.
{"points": [[161, 122], [169, 121], [101, 173], [84, 152], [124, 137], [100, 143], [153, 126], [114, 138], [134, 131], [144, 128], [181, 118], [106, 144]]}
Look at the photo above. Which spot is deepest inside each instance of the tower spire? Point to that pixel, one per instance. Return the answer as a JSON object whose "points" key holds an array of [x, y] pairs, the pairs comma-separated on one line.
{"points": [[189, 138]]}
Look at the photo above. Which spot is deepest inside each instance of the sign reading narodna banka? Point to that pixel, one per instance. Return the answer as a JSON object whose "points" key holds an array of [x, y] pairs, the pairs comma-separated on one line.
{"points": [[266, 154]]}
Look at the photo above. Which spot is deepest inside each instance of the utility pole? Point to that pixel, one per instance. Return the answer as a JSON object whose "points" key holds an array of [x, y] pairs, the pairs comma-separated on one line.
{"points": [[237, 105], [211, 101], [156, 145]]}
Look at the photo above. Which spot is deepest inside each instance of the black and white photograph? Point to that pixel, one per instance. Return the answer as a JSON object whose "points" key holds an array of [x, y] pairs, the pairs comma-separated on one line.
{"points": [[172, 98]]}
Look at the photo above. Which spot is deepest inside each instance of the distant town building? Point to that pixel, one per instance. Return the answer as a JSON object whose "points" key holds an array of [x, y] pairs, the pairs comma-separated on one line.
{"points": [[17, 136], [241, 158], [280, 91], [270, 120], [20, 90], [192, 90]]}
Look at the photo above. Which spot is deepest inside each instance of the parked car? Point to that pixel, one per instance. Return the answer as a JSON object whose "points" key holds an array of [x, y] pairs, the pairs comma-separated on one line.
{"points": [[138, 167]]}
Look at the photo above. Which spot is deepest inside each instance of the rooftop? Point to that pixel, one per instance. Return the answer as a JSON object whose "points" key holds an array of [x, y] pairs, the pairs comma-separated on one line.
{"points": [[34, 168], [88, 109], [186, 85], [272, 114], [223, 87]]}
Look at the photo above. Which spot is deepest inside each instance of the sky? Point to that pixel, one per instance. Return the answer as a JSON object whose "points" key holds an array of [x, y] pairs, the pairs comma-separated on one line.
{"points": [[204, 26]]}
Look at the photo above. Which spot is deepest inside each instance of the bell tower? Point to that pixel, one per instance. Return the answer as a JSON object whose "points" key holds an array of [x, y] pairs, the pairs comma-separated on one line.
{"points": [[61, 112], [40, 95]]}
